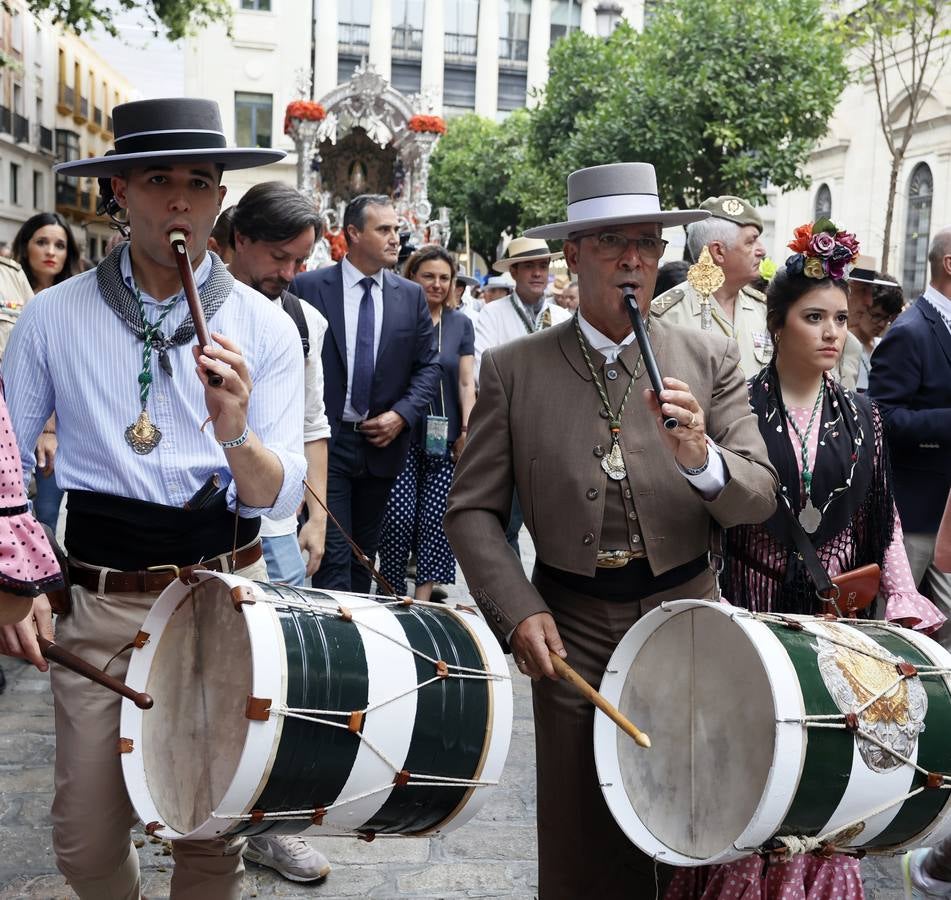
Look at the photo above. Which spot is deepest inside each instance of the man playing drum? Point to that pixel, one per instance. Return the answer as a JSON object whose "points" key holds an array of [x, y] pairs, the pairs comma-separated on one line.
{"points": [[620, 509], [112, 354]]}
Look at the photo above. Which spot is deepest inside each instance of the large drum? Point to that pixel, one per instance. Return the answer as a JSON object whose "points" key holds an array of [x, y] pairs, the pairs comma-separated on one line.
{"points": [[774, 732], [288, 710]]}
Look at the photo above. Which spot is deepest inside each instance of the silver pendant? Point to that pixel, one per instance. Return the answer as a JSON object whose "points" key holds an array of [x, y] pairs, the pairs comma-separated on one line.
{"points": [[613, 463], [809, 517], [143, 436]]}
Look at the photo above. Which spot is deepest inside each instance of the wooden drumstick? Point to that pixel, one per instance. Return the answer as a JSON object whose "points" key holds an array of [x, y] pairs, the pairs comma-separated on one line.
{"points": [[177, 240], [70, 661], [599, 700]]}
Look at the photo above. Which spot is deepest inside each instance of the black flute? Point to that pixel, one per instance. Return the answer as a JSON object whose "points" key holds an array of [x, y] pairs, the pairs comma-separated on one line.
{"points": [[647, 352]]}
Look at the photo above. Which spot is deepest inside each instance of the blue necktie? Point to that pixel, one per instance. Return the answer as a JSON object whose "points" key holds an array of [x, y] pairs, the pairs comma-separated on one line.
{"points": [[363, 361]]}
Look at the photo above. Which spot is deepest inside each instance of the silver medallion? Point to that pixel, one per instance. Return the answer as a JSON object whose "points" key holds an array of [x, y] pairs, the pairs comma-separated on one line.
{"points": [[809, 517], [613, 463], [142, 436]]}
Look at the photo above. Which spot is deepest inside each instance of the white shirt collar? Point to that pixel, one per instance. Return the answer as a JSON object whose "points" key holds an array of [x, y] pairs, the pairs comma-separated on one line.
{"points": [[938, 301], [602, 343], [352, 276]]}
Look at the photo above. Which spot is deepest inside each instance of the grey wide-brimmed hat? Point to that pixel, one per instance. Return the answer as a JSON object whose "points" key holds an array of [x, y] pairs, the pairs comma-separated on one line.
{"points": [[169, 131], [864, 271], [616, 194], [463, 278]]}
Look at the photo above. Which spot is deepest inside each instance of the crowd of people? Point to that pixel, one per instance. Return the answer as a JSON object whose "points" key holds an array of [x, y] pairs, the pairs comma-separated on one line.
{"points": [[428, 417]]}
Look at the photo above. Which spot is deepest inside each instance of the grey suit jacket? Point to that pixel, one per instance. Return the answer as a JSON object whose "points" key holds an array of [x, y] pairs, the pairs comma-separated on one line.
{"points": [[536, 427]]}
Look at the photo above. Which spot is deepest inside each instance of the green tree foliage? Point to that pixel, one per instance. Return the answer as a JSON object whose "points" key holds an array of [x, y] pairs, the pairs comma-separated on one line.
{"points": [[171, 19], [470, 174], [722, 97]]}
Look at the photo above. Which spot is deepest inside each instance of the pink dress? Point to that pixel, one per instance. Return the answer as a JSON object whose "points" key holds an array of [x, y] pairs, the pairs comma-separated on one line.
{"points": [[27, 564]]}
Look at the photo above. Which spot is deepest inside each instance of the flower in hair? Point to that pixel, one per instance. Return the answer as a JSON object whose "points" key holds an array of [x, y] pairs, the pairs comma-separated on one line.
{"points": [[821, 250]]}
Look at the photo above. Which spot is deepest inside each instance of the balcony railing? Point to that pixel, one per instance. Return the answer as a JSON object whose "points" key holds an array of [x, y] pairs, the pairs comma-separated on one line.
{"points": [[353, 35], [67, 95], [83, 111], [21, 129], [109, 124], [97, 116], [460, 44], [46, 139], [408, 39], [514, 49], [6, 120]]}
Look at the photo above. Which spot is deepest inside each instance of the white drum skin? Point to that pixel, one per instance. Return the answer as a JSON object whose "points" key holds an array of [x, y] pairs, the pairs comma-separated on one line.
{"points": [[391, 671]]}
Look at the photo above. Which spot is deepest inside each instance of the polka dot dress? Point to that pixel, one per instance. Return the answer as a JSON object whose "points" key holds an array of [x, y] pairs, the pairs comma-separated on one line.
{"points": [[27, 564], [802, 878], [413, 522]]}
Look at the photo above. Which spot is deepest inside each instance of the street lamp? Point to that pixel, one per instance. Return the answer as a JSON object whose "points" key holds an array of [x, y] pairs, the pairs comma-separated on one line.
{"points": [[607, 16]]}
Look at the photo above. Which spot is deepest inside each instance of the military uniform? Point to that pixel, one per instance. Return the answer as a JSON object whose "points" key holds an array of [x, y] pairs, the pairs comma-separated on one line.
{"points": [[681, 306], [15, 291]]}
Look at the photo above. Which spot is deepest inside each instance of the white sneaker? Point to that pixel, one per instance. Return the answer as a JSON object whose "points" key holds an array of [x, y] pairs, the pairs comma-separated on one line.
{"points": [[918, 884], [289, 855]]}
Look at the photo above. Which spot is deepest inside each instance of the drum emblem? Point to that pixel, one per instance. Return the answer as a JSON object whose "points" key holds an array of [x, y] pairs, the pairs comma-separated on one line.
{"points": [[861, 676]]}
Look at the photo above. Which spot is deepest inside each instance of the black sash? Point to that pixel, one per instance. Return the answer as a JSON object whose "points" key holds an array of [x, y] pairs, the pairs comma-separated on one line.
{"points": [[131, 535]]}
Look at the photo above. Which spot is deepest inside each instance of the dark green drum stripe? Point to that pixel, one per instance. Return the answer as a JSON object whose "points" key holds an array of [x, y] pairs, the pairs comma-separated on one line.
{"points": [[451, 724], [828, 762], [326, 669], [934, 748]]}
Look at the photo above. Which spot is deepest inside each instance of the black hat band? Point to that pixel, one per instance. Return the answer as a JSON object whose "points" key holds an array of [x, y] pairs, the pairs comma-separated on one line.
{"points": [[164, 141]]}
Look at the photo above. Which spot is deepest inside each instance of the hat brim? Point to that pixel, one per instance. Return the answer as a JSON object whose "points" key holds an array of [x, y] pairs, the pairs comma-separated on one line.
{"points": [[877, 281], [117, 163], [563, 230], [503, 265], [468, 280]]}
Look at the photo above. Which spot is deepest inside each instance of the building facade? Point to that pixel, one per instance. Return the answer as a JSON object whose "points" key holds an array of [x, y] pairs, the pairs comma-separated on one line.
{"points": [[850, 171], [483, 56], [27, 117], [87, 88]]}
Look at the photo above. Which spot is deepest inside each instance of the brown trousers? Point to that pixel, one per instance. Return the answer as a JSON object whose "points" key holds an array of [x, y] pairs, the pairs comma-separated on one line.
{"points": [[581, 850], [92, 814]]}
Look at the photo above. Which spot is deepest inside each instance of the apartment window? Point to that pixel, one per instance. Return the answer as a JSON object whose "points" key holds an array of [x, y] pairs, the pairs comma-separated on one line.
{"points": [[514, 17], [917, 230], [16, 33], [823, 206], [67, 145], [512, 87], [565, 18], [38, 199], [14, 184], [462, 27], [404, 76], [346, 63], [459, 86], [257, 5], [408, 26], [353, 18], [252, 116]]}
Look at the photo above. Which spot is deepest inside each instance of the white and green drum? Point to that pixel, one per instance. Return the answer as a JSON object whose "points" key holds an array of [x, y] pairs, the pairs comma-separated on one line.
{"points": [[775, 733], [289, 710]]}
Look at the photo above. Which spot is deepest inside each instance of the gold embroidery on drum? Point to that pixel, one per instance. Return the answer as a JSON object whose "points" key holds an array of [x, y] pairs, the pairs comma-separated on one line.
{"points": [[862, 678]]}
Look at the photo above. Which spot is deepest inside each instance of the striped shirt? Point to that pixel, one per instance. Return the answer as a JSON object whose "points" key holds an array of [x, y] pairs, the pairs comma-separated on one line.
{"points": [[72, 355]]}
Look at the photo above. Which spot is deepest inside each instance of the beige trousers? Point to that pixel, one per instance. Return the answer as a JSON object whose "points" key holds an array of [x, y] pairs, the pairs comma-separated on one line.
{"points": [[92, 814]]}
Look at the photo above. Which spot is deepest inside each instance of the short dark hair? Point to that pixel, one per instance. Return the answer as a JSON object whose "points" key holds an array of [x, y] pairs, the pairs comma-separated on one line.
{"points": [[71, 267], [785, 289], [890, 297], [273, 211], [222, 230], [670, 275], [356, 212], [425, 254]]}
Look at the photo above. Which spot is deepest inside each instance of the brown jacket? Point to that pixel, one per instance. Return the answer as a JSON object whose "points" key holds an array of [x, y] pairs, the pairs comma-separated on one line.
{"points": [[536, 426]]}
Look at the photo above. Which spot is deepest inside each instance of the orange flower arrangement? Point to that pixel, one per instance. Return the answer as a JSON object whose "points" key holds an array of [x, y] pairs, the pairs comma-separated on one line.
{"points": [[307, 110], [429, 124], [801, 237]]}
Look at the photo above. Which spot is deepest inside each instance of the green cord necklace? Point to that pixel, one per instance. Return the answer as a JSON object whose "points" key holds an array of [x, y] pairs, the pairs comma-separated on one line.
{"points": [[142, 436], [809, 517]]}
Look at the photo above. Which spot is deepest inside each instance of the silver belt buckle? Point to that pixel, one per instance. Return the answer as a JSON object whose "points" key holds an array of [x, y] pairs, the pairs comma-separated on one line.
{"points": [[614, 559]]}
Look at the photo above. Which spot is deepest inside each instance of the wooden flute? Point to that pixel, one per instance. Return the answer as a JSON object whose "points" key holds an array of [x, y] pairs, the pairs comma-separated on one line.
{"points": [[177, 240]]}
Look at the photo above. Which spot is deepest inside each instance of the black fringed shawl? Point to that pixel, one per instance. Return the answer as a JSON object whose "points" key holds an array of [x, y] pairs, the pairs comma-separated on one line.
{"points": [[851, 487]]}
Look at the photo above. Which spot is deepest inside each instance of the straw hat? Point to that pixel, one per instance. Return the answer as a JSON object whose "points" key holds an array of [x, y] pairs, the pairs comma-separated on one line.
{"points": [[523, 249]]}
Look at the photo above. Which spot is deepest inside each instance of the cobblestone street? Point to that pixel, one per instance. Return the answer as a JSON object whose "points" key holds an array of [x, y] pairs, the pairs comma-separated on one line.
{"points": [[493, 856]]}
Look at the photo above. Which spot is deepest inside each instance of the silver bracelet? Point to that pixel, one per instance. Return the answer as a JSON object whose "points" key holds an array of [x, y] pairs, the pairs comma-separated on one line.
{"points": [[700, 470], [238, 441]]}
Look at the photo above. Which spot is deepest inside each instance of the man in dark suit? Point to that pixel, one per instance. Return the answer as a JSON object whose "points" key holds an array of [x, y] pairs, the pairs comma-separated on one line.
{"points": [[380, 374], [911, 382]]}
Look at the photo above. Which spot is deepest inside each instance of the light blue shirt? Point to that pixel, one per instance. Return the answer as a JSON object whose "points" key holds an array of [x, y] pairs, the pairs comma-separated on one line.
{"points": [[71, 354], [352, 297]]}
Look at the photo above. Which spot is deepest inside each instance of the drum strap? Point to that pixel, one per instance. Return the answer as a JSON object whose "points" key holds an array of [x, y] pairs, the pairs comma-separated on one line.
{"points": [[807, 552]]}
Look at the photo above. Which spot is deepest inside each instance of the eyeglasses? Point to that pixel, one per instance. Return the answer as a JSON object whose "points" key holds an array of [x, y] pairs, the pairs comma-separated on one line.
{"points": [[609, 245]]}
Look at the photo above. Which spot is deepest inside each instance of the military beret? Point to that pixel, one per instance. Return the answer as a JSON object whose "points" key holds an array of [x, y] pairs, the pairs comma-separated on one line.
{"points": [[733, 209]]}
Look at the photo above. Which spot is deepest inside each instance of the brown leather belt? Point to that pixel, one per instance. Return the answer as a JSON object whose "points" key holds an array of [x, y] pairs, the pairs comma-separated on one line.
{"points": [[154, 580]]}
